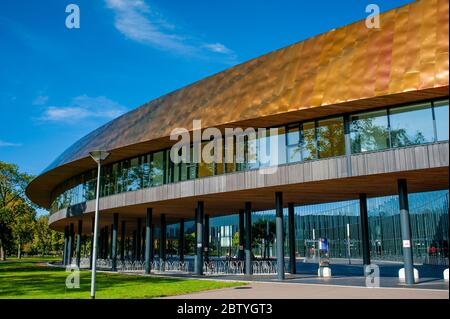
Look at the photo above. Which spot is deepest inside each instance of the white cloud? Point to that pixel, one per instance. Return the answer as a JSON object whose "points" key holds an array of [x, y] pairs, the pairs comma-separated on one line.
{"points": [[137, 21], [218, 48], [84, 107], [8, 144], [40, 100]]}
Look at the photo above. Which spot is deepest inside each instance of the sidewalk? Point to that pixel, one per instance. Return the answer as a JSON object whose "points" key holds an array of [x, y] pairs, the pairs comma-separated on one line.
{"points": [[262, 290]]}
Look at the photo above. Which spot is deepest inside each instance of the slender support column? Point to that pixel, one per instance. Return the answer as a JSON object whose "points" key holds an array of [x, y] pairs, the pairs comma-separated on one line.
{"points": [[279, 234], [148, 240], [92, 242], [78, 251], [133, 245], [291, 221], [364, 221], [66, 242], [122, 241], [181, 241], [405, 225], [248, 238], [241, 254], [110, 247], [115, 232], [106, 242], [138, 239], [206, 237], [152, 243], [162, 239], [199, 237], [101, 242], [70, 243], [144, 234]]}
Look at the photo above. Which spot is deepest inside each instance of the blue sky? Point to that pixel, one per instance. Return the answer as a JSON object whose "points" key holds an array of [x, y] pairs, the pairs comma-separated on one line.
{"points": [[58, 84]]}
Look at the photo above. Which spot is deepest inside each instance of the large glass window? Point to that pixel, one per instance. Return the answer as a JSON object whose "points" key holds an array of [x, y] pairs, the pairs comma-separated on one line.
{"points": [[411, 125], [309, 149], [369, 131], [330, 137], [134, 175], [206, 169], [157, 169], [293, 144], [441, 116]]}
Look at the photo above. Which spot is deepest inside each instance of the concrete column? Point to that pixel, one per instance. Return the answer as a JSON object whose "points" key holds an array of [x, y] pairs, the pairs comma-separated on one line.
{"points": [[148, 240], [78, 251], [111, 241], [181, 241], [199, 238], [66, 241], [115, 233], [364, 222], [162, 239], [406, 231], [279, 234], [138, 239], [122, 241], [241, 254], [70, 243], [133, 245], [105, 242], [291, 221], [206, 237], [92, 242], [152, 243], [143, 243], [248, 238]]}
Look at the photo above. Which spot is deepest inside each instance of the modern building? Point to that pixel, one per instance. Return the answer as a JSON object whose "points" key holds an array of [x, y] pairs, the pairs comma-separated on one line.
{"points": [[362, 119]]}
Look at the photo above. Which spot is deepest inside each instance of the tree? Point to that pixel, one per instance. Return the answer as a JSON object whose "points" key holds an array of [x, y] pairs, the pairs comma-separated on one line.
{"points": [[263, 231], [12, 199], [23, 225], [45, 241]]}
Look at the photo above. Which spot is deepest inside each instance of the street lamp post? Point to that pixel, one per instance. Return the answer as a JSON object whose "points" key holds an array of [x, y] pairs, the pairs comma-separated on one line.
{"points": [[99, 157]]}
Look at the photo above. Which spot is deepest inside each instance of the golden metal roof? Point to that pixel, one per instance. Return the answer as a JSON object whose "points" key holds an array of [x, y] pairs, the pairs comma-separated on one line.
{"points": [[409, 53]]}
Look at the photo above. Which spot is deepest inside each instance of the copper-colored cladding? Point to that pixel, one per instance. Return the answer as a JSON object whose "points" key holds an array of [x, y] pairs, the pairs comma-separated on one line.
{"points": [[346, 69]]}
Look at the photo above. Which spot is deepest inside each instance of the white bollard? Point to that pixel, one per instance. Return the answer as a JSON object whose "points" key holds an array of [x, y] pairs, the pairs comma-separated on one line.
{"points": [[446, 274], [401, 274], [324, 272]]}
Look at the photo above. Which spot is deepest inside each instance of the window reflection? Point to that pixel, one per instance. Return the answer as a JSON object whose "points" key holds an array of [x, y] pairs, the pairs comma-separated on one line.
{"points": [[293, 145], [441, 116], [309, 149], [330, 137], [157, 169], [411, 125], [369, 131]]}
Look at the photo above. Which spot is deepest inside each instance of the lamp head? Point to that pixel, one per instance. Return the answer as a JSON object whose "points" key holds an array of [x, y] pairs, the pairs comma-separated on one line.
{"points": [[99, 156]]}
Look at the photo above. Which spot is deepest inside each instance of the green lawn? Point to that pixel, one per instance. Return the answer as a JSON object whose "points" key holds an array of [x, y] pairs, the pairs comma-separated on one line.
{"points": [[33, 279]]}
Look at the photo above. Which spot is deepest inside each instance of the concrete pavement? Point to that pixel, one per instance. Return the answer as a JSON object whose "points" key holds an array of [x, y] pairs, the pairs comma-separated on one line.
{"points": [[264, 290]]}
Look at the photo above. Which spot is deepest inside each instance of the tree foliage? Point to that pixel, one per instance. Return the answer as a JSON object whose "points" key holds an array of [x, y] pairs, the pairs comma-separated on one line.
{"points": [[20, 228]]}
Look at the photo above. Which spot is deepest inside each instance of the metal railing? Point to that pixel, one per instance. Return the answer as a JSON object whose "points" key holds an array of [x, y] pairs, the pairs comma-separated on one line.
{"points": [[237, 267]]}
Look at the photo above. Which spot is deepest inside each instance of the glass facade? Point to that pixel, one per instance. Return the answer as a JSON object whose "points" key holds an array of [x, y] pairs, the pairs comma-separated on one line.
{"points": [[339, 222], [323, 138]]}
